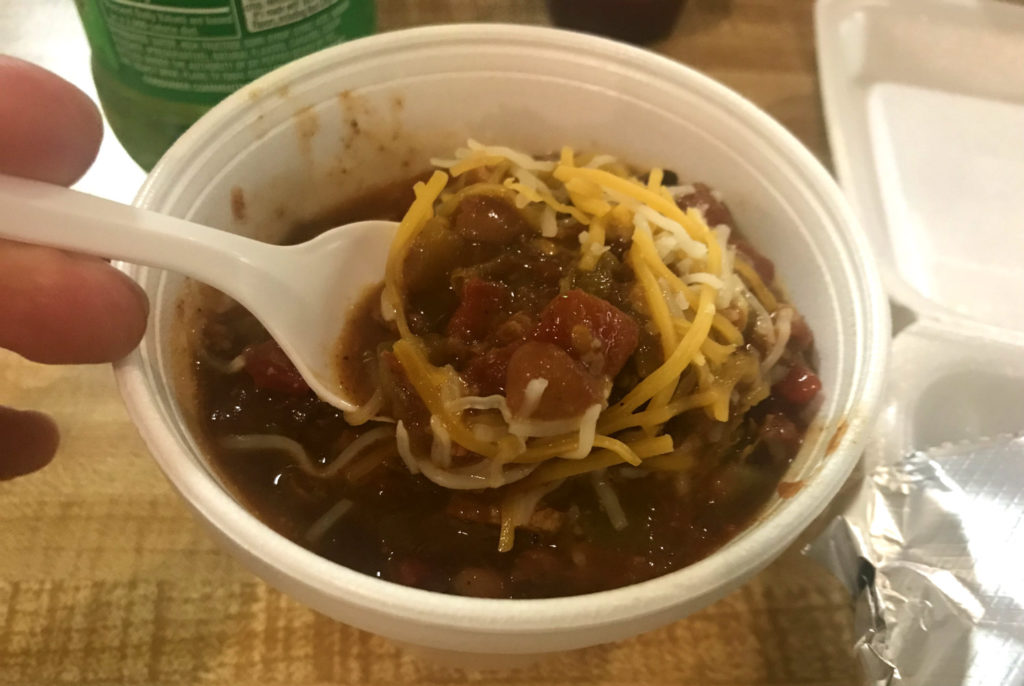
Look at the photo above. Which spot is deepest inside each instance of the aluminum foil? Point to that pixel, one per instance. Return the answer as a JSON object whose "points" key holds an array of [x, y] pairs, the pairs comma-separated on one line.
{"points": [[932, 549]]}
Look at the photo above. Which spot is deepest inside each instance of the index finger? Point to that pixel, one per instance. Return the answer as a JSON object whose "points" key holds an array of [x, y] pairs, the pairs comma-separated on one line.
{"points": [[49, 130], [56, 306]]}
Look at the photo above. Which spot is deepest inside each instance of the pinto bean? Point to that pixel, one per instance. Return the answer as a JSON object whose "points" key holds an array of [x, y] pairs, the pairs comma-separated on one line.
{"points": [[571, 388], [799, 386], [488, 219]]}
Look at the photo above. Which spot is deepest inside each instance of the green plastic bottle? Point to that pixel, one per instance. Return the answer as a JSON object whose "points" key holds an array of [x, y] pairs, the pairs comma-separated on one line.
{"points": [[160, 64]]}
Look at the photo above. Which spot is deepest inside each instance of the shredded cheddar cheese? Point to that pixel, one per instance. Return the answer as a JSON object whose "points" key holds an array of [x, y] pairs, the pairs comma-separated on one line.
{"points": [[694, 289]]}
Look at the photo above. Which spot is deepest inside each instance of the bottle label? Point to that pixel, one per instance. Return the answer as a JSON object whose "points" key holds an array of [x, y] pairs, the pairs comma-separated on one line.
{"points": [[201, 50]]}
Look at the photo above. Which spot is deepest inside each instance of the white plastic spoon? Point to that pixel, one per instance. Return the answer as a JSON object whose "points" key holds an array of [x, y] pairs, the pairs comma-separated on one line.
{"points": [[301, 293]]}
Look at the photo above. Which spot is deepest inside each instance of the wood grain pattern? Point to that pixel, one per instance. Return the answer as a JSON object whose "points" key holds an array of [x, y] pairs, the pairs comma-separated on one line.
{"points": [[106, 578]]}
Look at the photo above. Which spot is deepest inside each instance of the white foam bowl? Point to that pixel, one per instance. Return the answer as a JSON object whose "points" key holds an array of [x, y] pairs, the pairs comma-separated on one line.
{"points": [[337, 122]]}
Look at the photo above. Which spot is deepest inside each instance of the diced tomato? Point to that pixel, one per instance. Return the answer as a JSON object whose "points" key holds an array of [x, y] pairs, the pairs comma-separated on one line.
{"points": [[610, 331], [482, 305], [571, 389], [487, 372], [271, 369], [799, 386]]}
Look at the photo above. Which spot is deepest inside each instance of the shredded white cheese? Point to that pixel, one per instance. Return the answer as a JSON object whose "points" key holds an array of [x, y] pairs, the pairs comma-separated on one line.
{"points": [[441, 447], [667, 246], [478, 475], [365, 412], [609, 500], [232, 366], [672, 299], [529, 179], [275, 442], [704, 278], [548, 222], [783, 327], [542, 428], [681, 191], [477, 402], [387, 308], [588, 431], [728, 293], [353, 449], [517, 158], [488, 432], [459, 155], [405, 450], [532, 395], [683, 241], [763, 321], [600, 161], [327, 520], [684, 265]]}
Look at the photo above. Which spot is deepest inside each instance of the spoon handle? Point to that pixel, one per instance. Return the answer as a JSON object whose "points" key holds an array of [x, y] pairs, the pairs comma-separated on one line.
{"points": [[45, 214]]}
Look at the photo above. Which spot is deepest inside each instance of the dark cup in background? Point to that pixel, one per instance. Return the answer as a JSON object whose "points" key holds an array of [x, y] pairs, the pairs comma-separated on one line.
{"points": [[633, 21]]}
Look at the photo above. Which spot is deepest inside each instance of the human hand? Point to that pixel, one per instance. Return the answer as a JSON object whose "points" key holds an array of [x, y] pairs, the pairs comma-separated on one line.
{"points": [[55, 307]]}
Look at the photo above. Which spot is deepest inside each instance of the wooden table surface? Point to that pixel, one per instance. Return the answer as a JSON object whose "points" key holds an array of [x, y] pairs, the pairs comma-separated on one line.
{"points": [[106, 578]]}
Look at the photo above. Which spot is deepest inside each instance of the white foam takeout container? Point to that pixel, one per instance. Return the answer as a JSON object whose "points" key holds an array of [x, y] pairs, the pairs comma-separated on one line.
{"points": [[924, 101], [333, 124]]}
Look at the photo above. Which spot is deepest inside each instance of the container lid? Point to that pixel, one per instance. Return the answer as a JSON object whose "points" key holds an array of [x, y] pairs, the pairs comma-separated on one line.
{"points": [[924, 102], [946, 387]]}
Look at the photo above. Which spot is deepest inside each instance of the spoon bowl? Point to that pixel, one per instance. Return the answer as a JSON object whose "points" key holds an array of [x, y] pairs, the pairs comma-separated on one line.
{"points": [[301, 293]]}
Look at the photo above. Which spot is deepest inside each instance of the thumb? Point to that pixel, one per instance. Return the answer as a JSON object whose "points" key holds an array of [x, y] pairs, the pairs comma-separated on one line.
{"points": [[28, 441]]}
